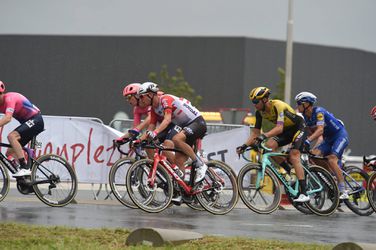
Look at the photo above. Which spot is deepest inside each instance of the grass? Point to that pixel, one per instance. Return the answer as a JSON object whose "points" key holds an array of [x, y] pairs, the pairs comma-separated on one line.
{"points": [[20, 236]]}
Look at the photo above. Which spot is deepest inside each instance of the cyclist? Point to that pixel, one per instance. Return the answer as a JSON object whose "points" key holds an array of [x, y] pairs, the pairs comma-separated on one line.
{"points": [[333, 132], [15, 105], [373, 113], [289, 128], [182, 122]]}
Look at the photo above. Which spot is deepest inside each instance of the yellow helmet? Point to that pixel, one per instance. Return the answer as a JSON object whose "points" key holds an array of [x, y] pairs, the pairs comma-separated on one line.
{"points": [[259, 93]]}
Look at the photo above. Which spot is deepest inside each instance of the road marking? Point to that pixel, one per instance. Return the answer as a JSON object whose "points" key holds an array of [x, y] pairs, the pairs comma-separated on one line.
{"points": [[283, 225]]}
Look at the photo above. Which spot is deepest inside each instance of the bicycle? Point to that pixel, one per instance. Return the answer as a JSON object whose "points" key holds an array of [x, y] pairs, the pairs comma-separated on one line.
{"points": [[217, 193], [370, 163], [52, 178], [356, 181], [259, 185]]}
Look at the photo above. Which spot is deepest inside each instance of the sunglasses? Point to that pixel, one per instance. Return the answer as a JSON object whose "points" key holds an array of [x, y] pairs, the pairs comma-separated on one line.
{"points": [[255, 101]]}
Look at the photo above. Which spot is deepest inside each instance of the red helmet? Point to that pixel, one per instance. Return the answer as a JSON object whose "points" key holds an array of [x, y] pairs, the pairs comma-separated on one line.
{"points": [[373, 113], [131, 89], [2, 87]]}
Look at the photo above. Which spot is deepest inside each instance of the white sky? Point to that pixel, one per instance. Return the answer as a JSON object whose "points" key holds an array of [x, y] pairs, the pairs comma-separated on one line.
{"points": [[343, 23]]}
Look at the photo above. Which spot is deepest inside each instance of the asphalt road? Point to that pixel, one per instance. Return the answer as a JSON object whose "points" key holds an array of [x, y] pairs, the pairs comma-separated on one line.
{"points": [[289, 224]]}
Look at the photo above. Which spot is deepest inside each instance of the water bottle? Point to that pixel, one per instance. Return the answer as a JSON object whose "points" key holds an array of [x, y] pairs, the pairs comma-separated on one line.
{"points": [[283, 172], [187, 174], [178, 171]]}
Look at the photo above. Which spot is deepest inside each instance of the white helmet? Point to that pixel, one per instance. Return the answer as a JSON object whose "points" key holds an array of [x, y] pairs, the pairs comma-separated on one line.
{"points": [[305, 97], [148, 87]]}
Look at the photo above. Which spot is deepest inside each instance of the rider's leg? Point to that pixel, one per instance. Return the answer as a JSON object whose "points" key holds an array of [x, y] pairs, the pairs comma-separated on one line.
{"points": [[169, 154], [180, 160], [13, 139]]}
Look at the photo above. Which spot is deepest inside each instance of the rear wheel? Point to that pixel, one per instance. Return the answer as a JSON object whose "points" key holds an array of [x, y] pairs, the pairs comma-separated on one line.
{"points": [[117, 176], [54, 180], [323, 191], [356, 183], [261, 194], [4, 182], [220, 190], [371, 190]]}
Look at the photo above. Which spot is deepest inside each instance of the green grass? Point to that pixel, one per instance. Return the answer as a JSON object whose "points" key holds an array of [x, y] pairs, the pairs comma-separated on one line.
{"points": [[20, 236]]}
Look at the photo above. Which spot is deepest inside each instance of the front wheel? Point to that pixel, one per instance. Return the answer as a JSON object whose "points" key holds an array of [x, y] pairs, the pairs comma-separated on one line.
{"points": [[4, 182], [220, 190], [54, 180], [116, 179], [371, 191], [260, 193]]}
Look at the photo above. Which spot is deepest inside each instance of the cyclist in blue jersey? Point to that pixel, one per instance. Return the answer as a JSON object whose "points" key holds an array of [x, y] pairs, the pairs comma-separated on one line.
{"points": [[334, 135]]}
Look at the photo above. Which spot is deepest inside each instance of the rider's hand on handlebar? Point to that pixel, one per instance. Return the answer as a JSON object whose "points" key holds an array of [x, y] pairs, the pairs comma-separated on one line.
{"points": [[152, 134], [307, 145], [240, 149], [120, 141], [259, 139]]}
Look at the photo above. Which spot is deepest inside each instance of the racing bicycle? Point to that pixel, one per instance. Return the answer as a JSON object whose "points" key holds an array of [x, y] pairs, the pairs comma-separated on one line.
{"points": [[260, 190], [52, 178], [217, 193], [370, 163]]}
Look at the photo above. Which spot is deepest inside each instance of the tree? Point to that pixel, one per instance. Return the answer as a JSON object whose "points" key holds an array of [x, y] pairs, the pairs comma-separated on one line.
{"points": [[175, 85]]}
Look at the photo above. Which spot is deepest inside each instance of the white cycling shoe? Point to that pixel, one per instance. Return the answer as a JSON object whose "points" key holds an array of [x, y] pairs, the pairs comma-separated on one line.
{"points": [[200, 172], [22, 172], [302, 198]]}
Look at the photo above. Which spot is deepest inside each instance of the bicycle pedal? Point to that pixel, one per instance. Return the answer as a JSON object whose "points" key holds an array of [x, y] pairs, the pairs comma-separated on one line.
{"points": [[198, 187]]}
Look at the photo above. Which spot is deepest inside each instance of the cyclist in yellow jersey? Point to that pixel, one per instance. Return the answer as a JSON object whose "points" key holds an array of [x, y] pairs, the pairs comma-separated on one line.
{"points": [[289, 128]]}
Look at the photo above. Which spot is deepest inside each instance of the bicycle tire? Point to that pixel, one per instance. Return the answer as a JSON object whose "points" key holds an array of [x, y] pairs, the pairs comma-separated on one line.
{"points": [[116, 179], [358, 201], [55, 181], [371, 191], [4, 182], [328, 197], [301, 207], [156, 200], [251, 196], [220, 191], [195, 205]]}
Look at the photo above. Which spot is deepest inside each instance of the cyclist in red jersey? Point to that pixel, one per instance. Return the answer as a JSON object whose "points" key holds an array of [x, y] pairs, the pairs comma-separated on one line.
{"points": [[182, 123], [15, 105], [373, 113]]}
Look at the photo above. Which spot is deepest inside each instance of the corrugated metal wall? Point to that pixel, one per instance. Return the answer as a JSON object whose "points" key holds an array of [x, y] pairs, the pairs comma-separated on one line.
{"points": [[84, 76]]}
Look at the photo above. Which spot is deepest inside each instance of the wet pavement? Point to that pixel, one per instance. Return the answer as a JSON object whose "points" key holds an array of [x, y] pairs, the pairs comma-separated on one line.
{"points": [[289, 224]]}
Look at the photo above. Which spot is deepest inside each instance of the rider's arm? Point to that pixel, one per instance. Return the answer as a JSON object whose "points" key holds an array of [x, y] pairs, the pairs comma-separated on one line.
{"points": [[318, 132], [278, 129], [251, 140], [136, 117], [5, 119], [167, 117]]}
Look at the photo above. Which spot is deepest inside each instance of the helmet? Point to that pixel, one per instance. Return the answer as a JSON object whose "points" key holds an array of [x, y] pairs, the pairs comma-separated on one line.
{"points": [[305, 97], [131, 89], [373, 113], [259, 93], [2, 87], [148, 87]]}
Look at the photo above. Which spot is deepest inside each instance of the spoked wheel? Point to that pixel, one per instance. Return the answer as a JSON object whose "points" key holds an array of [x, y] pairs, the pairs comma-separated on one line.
{"points": [[220, 190], [325, 199], [54, 180], [356, 184], [152, 199], [4, 182], [117, 176], [261, 195], [371, 190]]}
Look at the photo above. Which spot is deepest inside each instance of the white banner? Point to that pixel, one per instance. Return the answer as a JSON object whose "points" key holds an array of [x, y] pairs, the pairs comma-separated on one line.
{"points": [[222, 146], [84, 143]]}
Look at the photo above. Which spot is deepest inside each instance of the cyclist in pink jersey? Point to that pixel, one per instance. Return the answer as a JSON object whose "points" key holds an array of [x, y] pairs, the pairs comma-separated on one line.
{"points": [[15, 105], [182, 122]]}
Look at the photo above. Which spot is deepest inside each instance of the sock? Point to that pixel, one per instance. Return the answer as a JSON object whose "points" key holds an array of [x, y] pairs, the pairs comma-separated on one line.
{"points": [[341, 187], [22, 163], [302, 185]]}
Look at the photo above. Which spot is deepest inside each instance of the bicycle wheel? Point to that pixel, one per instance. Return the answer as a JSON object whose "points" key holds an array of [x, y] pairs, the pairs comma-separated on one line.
{"points": [[219, 193], [356, 183], [301, 207], [4, 182], [323, 202], [261, 196], [54, 180], [116, 178], [371, 190], [150, 199]]}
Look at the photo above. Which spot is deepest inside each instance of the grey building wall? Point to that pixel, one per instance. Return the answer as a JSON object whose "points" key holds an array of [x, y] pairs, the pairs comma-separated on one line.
{"points": [[84, 75]]}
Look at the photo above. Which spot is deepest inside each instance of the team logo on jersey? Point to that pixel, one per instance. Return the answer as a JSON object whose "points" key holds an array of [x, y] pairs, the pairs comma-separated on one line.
{"points": [[10, 110], [281, 114], [320, 117]]}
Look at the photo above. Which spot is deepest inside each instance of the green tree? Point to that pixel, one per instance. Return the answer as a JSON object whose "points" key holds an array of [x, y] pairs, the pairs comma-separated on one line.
{"points": [[175, 85]]}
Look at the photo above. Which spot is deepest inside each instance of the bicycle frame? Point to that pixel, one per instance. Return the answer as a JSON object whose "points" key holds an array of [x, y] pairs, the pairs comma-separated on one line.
{"points": [[8, 164]]}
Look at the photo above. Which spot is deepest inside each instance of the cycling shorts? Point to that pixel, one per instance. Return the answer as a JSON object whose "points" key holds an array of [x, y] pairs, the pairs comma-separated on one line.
{"points": [[167, 133], [195, 130], [335, 145], [30, 128], [296, 135]]}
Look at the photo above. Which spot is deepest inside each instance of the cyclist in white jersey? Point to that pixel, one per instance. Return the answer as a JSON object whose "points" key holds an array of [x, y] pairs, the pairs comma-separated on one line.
{"points": [[181, 121]]}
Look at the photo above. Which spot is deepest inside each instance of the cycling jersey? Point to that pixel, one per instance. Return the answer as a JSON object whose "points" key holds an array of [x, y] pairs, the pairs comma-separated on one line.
{"points": [[18, 106], [280, 113], [182, 112], [138, 112], [321, 117]]}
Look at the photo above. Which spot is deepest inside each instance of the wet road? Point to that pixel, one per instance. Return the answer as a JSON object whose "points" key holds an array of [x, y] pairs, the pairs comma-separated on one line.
{"points": [[288, 224]]}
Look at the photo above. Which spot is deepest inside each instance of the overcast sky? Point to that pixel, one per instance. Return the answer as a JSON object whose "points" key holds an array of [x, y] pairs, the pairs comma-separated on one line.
{"points": [[343, 23]]}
